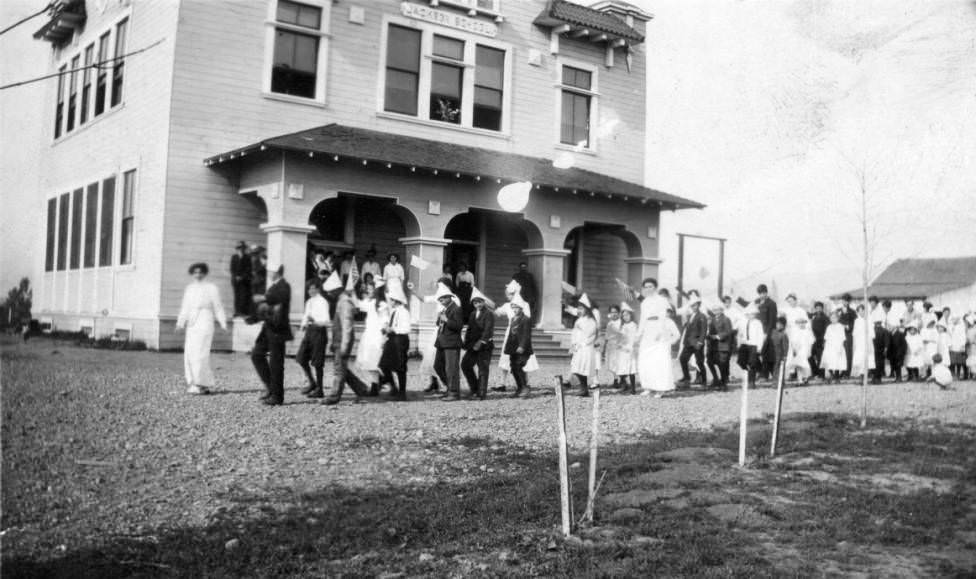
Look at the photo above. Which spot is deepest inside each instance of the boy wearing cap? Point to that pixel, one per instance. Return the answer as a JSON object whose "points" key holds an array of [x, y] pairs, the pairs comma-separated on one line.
{"points": [[719, 347], [448, 343], [397, 345], [518, 344], [767, 316], [751, 339], [818, 325], [311, 352], [693, 344], [882, 342], [478, 346]]}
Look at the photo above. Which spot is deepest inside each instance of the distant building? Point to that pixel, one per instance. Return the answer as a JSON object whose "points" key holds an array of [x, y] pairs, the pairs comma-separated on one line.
{"points": [[942, 281], [300, 124]]}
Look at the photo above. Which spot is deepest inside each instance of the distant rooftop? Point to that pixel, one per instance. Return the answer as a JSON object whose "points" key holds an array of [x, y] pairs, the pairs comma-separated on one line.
{"points": [[921, 278]]}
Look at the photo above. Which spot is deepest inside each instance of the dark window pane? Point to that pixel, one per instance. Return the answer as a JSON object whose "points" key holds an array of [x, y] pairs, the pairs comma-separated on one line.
{"points": [[119, 68], [487, 109], [448, 47], [403, 49], [489, 67], [76, 205], [445, 92], [63, 232], [576, 77], [295, 64], [52, 223], [73, 92], [86, 83], [108, 222], [59, 110], [575, 119], [299, 14], [91, 222], [402, 70], [401, 92], [488, 81], [101, 82], [128, 219]]}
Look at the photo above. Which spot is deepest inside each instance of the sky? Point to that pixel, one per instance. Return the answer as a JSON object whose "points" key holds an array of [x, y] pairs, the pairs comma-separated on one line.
{"points": [[771, 112]]}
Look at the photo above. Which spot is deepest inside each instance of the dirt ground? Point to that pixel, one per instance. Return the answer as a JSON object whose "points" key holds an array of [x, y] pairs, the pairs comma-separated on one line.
{"points": [[110, 469]]}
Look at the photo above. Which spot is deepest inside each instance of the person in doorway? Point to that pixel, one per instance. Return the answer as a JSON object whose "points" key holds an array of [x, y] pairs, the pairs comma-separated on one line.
{"points": [[478, 345], [268, 355], [448, 342], [693, 344], [393, 363], [529, 289], [370, 265], [240, 279], [767, 315], [347, 265], [518, 345], [463, 284], [393, 270], [719, 347], [200, 308], [343, 339], [311, 352], [259, 273]]}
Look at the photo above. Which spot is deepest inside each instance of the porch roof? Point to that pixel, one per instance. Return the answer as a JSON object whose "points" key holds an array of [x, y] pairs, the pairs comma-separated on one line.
{"points": [[388, 148]]}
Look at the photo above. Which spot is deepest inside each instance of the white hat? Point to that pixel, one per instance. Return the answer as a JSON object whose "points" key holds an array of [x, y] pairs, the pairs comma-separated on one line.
{"points": [[585, 301], [350, 283], [513, 287], [443, 291], [394, 291], [477, 295], [625, 307], [332, 283]]}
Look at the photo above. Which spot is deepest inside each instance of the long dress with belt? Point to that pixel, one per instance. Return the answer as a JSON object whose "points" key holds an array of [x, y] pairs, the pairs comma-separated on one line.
{"points": [[201, 307], [584, 347]]}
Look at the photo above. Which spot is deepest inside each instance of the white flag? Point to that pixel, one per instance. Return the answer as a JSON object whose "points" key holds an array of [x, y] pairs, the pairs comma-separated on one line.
{"points": [[419, 262]]}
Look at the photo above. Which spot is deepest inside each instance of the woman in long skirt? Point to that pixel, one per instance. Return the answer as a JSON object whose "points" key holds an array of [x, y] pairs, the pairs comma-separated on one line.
{"points": [[201, 307], [371, 342], [860, 345], [585, 331], [834, 358], [654, 361]]}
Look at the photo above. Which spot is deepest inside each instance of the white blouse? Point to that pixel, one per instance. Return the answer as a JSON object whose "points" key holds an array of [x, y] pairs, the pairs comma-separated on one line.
{"points": [[201, 304]]}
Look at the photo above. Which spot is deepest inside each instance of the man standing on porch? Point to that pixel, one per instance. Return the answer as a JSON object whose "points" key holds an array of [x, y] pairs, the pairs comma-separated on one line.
{"points": [[240, 278], [448, 342]]}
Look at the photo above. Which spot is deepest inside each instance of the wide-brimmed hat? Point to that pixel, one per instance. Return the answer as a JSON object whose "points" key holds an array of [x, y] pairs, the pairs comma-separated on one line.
{"points": [[394, 291], [444, 292]]}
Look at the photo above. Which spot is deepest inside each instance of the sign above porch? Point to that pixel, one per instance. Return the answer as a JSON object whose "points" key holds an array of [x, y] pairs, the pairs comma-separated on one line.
{"points": [[449, 19]]}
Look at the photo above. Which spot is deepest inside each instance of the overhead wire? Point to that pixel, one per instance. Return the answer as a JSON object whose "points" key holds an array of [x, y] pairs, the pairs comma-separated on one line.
{"points": [[95, 65], [25, 19]]}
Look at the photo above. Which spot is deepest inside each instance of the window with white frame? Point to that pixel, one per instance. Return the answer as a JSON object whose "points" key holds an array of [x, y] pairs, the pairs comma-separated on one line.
{"points": [[298, 45], [577, 99], [128, 217], [106, 229], [81, 225], [91, 81], [439, 76]]}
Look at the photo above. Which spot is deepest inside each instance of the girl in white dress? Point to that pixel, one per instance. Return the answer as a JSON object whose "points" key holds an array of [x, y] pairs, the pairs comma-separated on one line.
{"points": [[611, 343], [834, 359], [915, 353], [860, 345], [371, 342], [801, 347], [625, 361], [201, 306], [930, 339], [585, 331]]}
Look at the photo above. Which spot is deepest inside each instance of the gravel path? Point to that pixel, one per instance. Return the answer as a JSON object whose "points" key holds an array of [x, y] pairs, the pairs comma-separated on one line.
{"points": [[97, 442]]}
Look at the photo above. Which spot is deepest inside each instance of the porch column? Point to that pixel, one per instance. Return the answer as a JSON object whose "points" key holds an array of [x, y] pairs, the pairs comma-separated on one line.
{"points": [[286, 246], [431, 250], [546, 265], [639, 268]]}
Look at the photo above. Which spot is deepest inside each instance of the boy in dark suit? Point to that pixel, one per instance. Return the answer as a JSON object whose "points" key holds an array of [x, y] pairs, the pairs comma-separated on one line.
{"points": [[767, 315], [897, 350], [518, 346], [478, 345], [448, 343], [268, 355], [882, 341], [693, 344], [719, 348]]}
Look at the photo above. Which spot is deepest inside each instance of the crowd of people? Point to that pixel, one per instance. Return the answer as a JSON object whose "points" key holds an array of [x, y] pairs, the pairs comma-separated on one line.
{"points": [[635, 347]]}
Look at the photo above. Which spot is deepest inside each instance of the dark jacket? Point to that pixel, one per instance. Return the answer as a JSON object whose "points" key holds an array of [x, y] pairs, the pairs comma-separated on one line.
{"points": [[720, 326], [898, 347], [240, 269], [449, 330], [342, 325], [767, 315], [278, 298], [780, 344], [480, 331], [527, 281], [847, 316], [519, 336], [695, 331], [818, 324]]}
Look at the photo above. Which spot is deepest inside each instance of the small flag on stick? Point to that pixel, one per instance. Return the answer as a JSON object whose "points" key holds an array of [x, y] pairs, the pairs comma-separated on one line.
{"points": [[568, 288], [419, 262], [332, 283]]}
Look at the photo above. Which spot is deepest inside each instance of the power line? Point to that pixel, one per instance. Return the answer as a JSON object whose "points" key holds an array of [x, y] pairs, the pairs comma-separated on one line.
{"points": [[95, 65], [21, 21]]}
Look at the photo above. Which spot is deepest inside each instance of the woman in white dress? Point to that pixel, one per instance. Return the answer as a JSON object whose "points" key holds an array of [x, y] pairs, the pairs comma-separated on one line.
{"points": [[371, 342], [393, 270], [657, 333], [861, 345], [801, 348], [583, 364], [201, 307]]}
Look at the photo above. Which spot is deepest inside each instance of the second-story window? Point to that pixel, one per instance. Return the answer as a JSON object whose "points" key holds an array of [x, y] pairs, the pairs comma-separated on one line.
{"points": [[577, 96], [101, 81], [72, 93], [447, 79], [86, 83], [118, 67], [298, 59], [59, 110], [128, 217]]}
